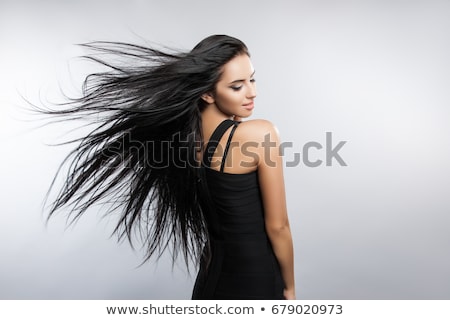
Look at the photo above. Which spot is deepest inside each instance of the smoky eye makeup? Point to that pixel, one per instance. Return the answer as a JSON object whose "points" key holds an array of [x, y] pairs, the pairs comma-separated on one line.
{"points": [[236, 88], [237, 85]]}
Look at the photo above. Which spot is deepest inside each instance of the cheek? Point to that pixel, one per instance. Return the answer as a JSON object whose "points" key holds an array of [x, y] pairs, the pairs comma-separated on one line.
{"points": [[230, 99], [234, 99]]}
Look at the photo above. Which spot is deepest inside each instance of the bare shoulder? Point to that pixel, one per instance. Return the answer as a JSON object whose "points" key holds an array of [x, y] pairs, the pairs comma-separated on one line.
{"points": [[257, 130]]}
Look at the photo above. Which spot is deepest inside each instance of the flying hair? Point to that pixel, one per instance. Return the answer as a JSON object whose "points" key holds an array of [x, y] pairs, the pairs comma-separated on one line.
{"points": [[141, 156]]}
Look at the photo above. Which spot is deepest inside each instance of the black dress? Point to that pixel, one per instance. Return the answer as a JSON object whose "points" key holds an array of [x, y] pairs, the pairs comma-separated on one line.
{"points": [[242, 263]]}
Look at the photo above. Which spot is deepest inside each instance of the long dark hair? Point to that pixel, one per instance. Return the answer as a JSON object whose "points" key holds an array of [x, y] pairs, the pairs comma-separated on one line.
{"points": [[141, 156]]}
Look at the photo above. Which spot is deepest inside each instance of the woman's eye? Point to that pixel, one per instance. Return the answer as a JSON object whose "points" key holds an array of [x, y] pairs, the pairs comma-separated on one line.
{"points": [[236, 88], [252, 80]]}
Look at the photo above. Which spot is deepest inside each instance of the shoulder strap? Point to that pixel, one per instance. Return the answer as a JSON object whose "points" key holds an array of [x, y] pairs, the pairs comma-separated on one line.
{"points": [[214, 141], [227, 147]]}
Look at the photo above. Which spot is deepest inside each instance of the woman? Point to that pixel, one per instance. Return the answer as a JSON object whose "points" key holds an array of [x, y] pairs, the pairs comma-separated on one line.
{"points": [[169, 148]]}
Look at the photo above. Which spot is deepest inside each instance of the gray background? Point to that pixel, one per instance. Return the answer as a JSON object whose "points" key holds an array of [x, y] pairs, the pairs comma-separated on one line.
{"points": [[374, 73]]}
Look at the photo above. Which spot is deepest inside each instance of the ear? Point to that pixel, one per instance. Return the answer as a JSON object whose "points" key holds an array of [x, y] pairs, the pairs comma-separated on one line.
{"points": [[208, 98]]}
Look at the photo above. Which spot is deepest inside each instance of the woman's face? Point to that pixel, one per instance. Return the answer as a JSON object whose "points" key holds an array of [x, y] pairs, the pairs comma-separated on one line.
{"points": [[236, 90]]}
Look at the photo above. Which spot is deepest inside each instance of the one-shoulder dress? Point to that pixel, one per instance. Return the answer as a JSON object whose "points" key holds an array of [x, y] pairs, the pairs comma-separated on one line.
{"points": [[242, 264]]}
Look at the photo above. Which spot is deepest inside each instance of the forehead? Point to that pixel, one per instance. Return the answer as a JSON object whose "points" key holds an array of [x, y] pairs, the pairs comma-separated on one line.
{"points": [[240, 67]]}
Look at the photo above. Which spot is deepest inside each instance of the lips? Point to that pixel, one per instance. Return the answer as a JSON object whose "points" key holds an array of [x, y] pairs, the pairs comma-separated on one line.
{"points": [[249, 106]]}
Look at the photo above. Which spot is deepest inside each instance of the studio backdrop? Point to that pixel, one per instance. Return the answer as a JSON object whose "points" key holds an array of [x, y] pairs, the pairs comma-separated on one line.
{"points": [[359, 91]]}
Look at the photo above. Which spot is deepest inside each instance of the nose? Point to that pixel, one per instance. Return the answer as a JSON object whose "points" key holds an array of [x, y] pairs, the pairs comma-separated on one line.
{"points": [[251, 94]]}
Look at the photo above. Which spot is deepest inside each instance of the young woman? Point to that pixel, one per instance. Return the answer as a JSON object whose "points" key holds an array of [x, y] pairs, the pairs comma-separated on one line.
{"points": [[170, 149]]}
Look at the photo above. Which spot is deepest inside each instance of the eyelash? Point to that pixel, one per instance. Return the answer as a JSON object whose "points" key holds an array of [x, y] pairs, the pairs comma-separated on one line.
{"points": [[253, 80]]}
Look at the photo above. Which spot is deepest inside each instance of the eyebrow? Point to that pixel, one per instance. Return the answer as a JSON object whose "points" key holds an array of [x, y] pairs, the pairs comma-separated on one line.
{"points": [[242, 80]]}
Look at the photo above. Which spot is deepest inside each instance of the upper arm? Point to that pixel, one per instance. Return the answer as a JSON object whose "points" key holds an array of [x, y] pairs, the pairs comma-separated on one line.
{"points": [[271, 179]]}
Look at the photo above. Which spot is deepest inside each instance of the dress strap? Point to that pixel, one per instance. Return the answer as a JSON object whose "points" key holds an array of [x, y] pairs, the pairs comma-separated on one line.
{"points": [[214, 141], [227, 147]]}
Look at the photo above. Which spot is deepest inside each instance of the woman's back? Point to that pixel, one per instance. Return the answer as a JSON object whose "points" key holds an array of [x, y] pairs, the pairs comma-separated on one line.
{"points": [[242, 265]]}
